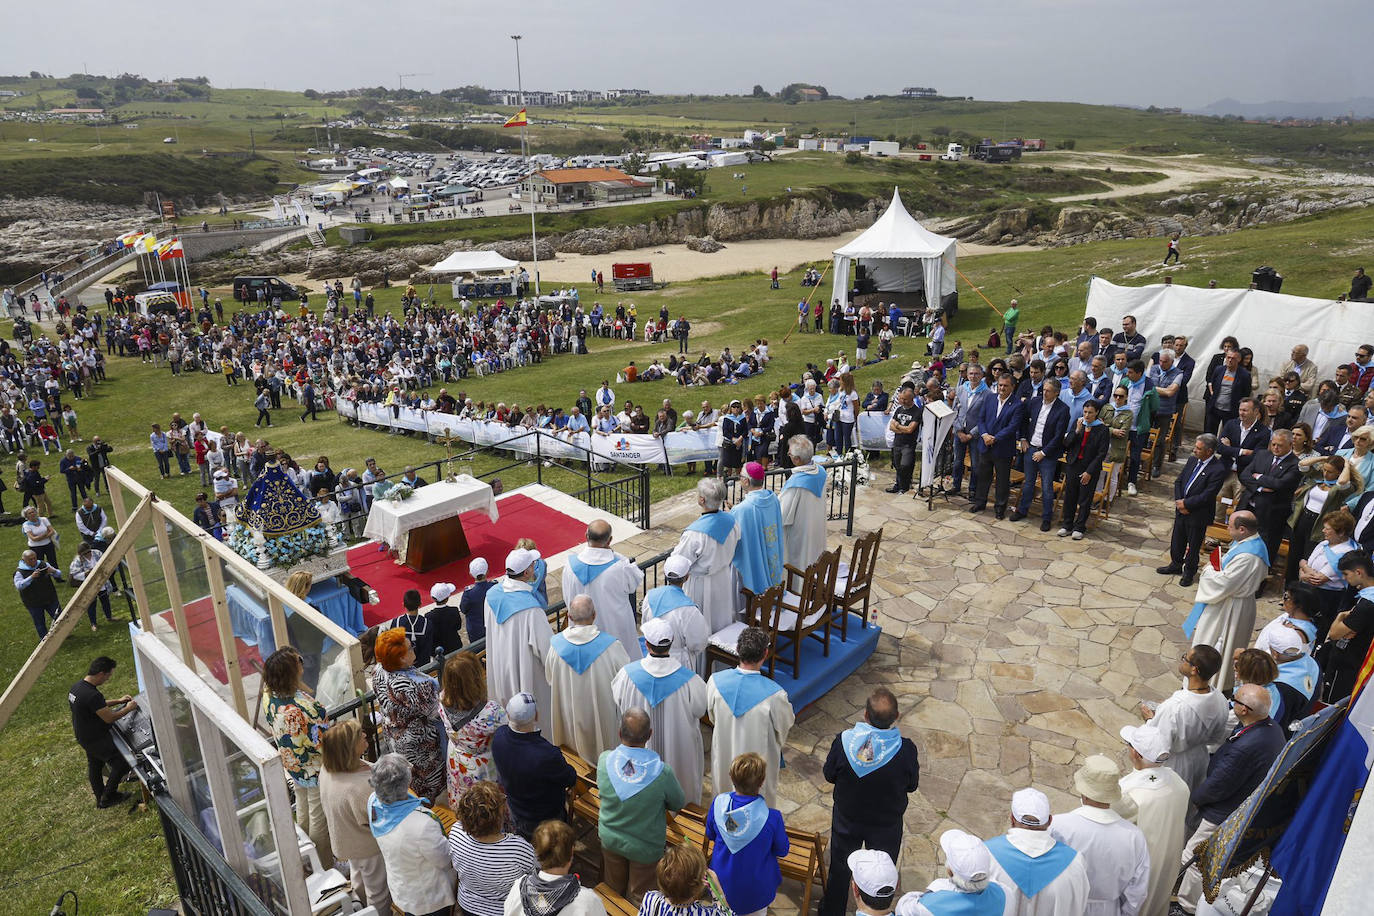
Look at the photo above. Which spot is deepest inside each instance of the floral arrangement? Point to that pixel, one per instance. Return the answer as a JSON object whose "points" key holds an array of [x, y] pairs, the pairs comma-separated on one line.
{"points": [[399, 493], [839, 471], [284, 550]]}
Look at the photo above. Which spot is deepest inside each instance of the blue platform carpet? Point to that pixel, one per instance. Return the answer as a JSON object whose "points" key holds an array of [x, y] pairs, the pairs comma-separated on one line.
{"points": [[820, 674]]}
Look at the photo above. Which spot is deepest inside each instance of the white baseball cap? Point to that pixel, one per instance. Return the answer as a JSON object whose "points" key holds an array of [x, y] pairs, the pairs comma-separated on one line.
{"points": [[873, 872], [966, 855], [1148, 742], [522, 709], [519, 560], [440, 591], [677, 566], [1030, 807], [1286, 642], [657, 631], [478, 567]]}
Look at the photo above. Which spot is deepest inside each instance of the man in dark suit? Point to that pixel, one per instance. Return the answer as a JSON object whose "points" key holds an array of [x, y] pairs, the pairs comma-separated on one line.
{"points": [[1241, 439], [998, 426], [1337, 436], [1225, 389], [1195, 495], [1042, 442], [1269, 483], [1364, 522], [1187, 365], [1086, 449]]}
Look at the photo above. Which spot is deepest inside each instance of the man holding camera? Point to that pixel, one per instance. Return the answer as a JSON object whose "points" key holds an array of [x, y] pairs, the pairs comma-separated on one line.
{"points": [[92, 716], [34, 580]]}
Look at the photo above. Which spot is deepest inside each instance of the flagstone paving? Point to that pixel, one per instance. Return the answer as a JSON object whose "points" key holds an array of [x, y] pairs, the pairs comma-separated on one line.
{"points": [[1013, 654]]}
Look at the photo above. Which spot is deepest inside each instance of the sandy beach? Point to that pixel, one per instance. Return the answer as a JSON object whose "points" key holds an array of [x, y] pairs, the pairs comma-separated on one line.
{"points": [[676, 264]]}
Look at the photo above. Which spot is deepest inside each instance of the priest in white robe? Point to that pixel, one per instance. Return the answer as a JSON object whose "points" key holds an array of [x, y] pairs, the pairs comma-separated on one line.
{"points": [[1113, 849], [1161, 803], [748, 712], [1041, 875], [611, 580], [676, 700], [708, 544], [518, 632], [669, 602], [1223, 616], [580, 666], [759, 554], [803, 506], [1194, 718]]}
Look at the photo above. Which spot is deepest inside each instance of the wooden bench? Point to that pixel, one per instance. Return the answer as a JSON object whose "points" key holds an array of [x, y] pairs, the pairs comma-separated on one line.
{"points": [[616, 905]]}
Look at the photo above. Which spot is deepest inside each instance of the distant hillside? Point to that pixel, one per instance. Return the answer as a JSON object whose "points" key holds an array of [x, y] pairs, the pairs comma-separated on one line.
{"points": [[1362, 107]]}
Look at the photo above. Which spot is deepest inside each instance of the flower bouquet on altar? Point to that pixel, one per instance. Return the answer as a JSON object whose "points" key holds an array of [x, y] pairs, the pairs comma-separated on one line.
{"points": [[399, 493]]}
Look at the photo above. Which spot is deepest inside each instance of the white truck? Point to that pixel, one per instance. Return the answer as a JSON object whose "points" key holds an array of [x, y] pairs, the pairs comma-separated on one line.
{"points": [[953, 153]]}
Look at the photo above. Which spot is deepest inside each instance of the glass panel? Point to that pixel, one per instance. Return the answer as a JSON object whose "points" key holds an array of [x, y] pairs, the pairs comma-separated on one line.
{"points": [[254, 823], [193, 765], [254, 641]]}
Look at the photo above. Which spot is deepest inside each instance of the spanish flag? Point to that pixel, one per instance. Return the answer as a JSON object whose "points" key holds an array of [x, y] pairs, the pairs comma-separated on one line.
{"points": [[517, 120]]}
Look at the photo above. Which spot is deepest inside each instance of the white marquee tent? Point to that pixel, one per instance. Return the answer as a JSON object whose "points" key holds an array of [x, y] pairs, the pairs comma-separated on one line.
{"points": [[474, 262], [900, 255], [1268, 323]]}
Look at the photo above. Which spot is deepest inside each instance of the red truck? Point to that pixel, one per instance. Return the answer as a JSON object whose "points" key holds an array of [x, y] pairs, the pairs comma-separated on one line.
{"points": [[633, 276]]}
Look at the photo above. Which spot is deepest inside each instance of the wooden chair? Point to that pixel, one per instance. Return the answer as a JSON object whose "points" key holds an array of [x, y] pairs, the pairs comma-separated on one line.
{"points": [[806, 606], [1147, 454], [616, 905], [760, 611], [854, 590]]}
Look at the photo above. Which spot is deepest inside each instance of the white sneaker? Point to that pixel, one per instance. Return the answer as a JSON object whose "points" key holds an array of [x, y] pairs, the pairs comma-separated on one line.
{"points": [[1063, 532], [1130, 489], [1078, 535]]}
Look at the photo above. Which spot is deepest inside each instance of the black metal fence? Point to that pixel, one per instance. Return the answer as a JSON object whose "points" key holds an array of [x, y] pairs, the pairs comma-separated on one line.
{"points": [[841, 490], [621, 490], [364, 708], [206, 884]]}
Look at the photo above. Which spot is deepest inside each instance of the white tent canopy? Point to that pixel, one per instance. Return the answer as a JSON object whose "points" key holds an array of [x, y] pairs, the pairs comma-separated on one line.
{"points": [[473, 262], [900, 255], [1268, 323]]}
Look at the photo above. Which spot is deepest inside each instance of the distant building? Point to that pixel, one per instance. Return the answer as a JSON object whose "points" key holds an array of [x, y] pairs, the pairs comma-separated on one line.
{"points": [[576, 185], [919, 92], [810, 95], [625, 93], [10, 93], [86, 113], [538, 98]]}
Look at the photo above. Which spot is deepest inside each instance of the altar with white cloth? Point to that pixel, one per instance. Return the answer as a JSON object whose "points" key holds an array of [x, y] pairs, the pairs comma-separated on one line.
{"points": [[424, 529]]}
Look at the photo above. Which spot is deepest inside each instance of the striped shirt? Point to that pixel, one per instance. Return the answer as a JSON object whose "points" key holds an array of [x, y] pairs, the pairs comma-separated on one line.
{"points": [[487, 871]]}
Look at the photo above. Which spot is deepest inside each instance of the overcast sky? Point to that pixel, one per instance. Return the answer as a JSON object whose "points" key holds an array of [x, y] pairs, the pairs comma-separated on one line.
{"points": [[1139, 52]]}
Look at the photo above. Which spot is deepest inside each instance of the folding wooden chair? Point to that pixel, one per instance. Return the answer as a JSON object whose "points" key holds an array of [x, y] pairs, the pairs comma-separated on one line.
{"points": [[853, 591], [760, 611], [806, 609]]}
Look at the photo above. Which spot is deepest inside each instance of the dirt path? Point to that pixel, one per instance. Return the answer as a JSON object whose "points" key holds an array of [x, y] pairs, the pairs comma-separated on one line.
{"points": [[1182, 171]]}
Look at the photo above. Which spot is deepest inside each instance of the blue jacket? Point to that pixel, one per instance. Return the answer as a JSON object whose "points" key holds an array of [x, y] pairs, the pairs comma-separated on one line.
{"points": [[750, 877], [1056, 427], [1237, 768], [1005, 427]]}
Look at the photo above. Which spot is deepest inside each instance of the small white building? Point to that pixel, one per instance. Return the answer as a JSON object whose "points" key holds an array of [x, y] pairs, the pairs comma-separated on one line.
{"points": [[883, 147]]}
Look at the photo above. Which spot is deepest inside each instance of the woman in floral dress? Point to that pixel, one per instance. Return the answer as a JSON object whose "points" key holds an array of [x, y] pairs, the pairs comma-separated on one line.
{"points": [[297, 721], [472, 720], [411, 714]]}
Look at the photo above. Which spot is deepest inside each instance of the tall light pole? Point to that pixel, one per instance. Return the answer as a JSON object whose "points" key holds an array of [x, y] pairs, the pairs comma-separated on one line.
{"points": [[524, 154]]}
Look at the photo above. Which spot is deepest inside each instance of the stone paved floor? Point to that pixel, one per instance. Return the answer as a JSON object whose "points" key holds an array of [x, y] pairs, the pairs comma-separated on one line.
{"points": [[1013, 653]]}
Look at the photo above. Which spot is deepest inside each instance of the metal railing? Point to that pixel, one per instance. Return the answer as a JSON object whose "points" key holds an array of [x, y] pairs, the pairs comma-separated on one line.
{"points": [[840, 489], [206, 885], [365, 706]]}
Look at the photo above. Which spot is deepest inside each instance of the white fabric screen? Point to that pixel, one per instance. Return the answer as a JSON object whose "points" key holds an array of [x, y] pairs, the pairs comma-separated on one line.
{"points": [[1270, 324]]}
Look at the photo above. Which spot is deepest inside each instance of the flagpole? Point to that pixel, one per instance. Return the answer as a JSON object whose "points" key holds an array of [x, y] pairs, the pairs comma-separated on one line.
{"points": [[524, 153]]}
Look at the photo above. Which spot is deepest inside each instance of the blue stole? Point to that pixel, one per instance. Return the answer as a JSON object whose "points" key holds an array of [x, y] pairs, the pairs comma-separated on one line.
{"points": [[656, 689], [715, 525], [1254, 546], [1334, 558], [741, 691], [814, 483], [1275, 700], [1308, 628], [505, 605], [580, 657], [759, 554], [739, 826], [990, 901], [868, 748], [665, 599], [383, 818], [1031, 875], [585, 572], [541, 587], [1302, 674], [632, 769]]}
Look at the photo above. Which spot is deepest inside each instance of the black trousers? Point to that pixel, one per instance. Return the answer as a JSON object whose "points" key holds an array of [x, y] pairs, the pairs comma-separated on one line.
{"points": [[904, 461], [842, 843], [1300, 544], [1078, 498], [1186, 540], [96, 762], [1273, 519], [988, 466]]}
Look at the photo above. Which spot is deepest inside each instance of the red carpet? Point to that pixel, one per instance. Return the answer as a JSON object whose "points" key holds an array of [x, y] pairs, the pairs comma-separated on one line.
{"points": [[200, 619], [521, 516]]}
